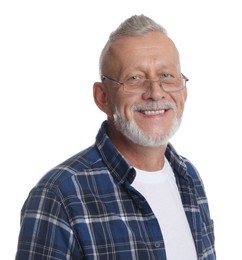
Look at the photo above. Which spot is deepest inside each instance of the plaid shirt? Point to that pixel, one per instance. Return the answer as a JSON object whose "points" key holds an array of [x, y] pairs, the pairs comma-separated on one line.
{"points": [[86, 208]]}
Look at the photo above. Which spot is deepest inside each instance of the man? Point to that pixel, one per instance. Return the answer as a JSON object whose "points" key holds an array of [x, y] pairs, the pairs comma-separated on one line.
{"points": [[130, 195]]}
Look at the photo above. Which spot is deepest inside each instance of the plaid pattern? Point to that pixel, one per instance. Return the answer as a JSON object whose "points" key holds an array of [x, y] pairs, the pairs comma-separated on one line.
{"points": [[86, 208]]}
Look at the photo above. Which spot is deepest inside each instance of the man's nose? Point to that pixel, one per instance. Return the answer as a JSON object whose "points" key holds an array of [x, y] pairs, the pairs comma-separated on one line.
{"points": [[155, 90]]}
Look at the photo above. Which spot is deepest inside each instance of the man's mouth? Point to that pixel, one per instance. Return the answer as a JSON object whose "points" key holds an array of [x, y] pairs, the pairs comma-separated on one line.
{"points": [[154, 108], [153, 112]]}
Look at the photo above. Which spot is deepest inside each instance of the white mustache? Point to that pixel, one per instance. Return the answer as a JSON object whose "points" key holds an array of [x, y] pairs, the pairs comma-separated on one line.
{"points": [[155, 105]]}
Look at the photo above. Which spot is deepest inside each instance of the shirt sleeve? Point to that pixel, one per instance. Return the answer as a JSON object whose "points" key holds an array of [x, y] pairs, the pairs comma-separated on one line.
{"points": [[45, 231]]}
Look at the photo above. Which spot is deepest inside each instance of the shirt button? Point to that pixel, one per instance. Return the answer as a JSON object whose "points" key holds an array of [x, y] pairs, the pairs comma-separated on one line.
{"points": [[157, 244]]}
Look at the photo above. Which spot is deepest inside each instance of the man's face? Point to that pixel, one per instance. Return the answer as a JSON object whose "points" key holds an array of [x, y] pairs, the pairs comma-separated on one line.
{"points": [[149, 118]]}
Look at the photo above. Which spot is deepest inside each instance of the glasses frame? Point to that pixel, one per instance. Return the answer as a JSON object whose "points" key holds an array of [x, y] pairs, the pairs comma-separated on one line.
{"points": [[121, 84]]}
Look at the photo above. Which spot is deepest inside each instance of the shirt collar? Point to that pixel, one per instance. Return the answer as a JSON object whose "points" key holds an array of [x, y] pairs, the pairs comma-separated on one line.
{"points": [[119, 167], [177, 162]]}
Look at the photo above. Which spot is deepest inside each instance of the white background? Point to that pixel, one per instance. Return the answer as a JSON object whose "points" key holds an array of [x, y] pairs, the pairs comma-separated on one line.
{"points": [[49, 53]]}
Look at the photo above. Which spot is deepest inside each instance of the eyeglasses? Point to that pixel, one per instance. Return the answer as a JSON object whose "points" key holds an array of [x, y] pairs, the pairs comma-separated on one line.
{"points": [[137, 85]]}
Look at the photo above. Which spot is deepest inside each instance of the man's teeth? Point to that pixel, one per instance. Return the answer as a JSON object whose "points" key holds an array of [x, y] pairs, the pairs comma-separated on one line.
{"points": [[154, 112]]}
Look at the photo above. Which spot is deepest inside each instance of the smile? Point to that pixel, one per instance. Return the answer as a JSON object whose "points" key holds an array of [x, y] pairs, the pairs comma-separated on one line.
{"points": [[153, 112]]}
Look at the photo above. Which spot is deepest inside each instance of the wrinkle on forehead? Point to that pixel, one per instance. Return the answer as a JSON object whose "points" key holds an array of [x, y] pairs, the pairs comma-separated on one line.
{"points": [[152, 47], [148, 41]]}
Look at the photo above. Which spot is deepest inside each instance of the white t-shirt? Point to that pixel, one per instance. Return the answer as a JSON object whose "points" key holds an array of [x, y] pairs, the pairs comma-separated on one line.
{"points": [[160, 190]]}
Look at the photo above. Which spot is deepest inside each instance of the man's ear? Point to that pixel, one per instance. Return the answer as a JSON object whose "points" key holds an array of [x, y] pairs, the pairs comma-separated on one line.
{"points": [[101, 98]]}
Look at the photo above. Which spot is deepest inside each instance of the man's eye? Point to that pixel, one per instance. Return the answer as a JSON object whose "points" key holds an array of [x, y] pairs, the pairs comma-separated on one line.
{"points": [[134, 78], [166, 75]]}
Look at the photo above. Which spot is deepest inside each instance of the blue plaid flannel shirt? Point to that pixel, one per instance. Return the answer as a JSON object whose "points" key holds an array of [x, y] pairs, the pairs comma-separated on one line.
{"points": [[86, 208]]}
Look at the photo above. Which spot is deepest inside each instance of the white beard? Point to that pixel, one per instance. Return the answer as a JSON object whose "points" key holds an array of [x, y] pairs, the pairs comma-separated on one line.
{"points": [[138, 136]]}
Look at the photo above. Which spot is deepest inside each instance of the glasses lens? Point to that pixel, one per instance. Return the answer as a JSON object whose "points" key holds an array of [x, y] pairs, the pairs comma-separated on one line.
{"points": [[173, 84], [137, 86]]}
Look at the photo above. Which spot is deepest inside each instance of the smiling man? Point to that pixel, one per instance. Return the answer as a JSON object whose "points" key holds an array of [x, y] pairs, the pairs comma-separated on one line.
{"points": [[147, 101], [130, 195]]}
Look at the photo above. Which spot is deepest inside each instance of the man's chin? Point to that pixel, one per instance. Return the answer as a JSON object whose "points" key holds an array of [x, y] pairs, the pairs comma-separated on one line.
{"points": [[145, 136], [147, 140]]}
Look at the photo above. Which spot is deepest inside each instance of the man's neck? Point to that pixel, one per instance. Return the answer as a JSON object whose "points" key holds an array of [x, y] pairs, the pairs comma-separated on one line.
{"points": [[145, 158], [141, 157]]}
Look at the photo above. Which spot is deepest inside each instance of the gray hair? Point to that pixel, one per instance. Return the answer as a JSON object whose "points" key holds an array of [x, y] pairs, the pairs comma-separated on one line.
{"points": [[136, 25]]}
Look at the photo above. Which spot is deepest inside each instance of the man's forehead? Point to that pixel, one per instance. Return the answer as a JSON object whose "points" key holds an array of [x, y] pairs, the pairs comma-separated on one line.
{"points": [[151, 40]]}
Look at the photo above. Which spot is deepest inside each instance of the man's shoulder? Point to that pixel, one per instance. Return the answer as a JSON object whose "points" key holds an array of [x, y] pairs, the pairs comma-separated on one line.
{"points": [[77, 165]]}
